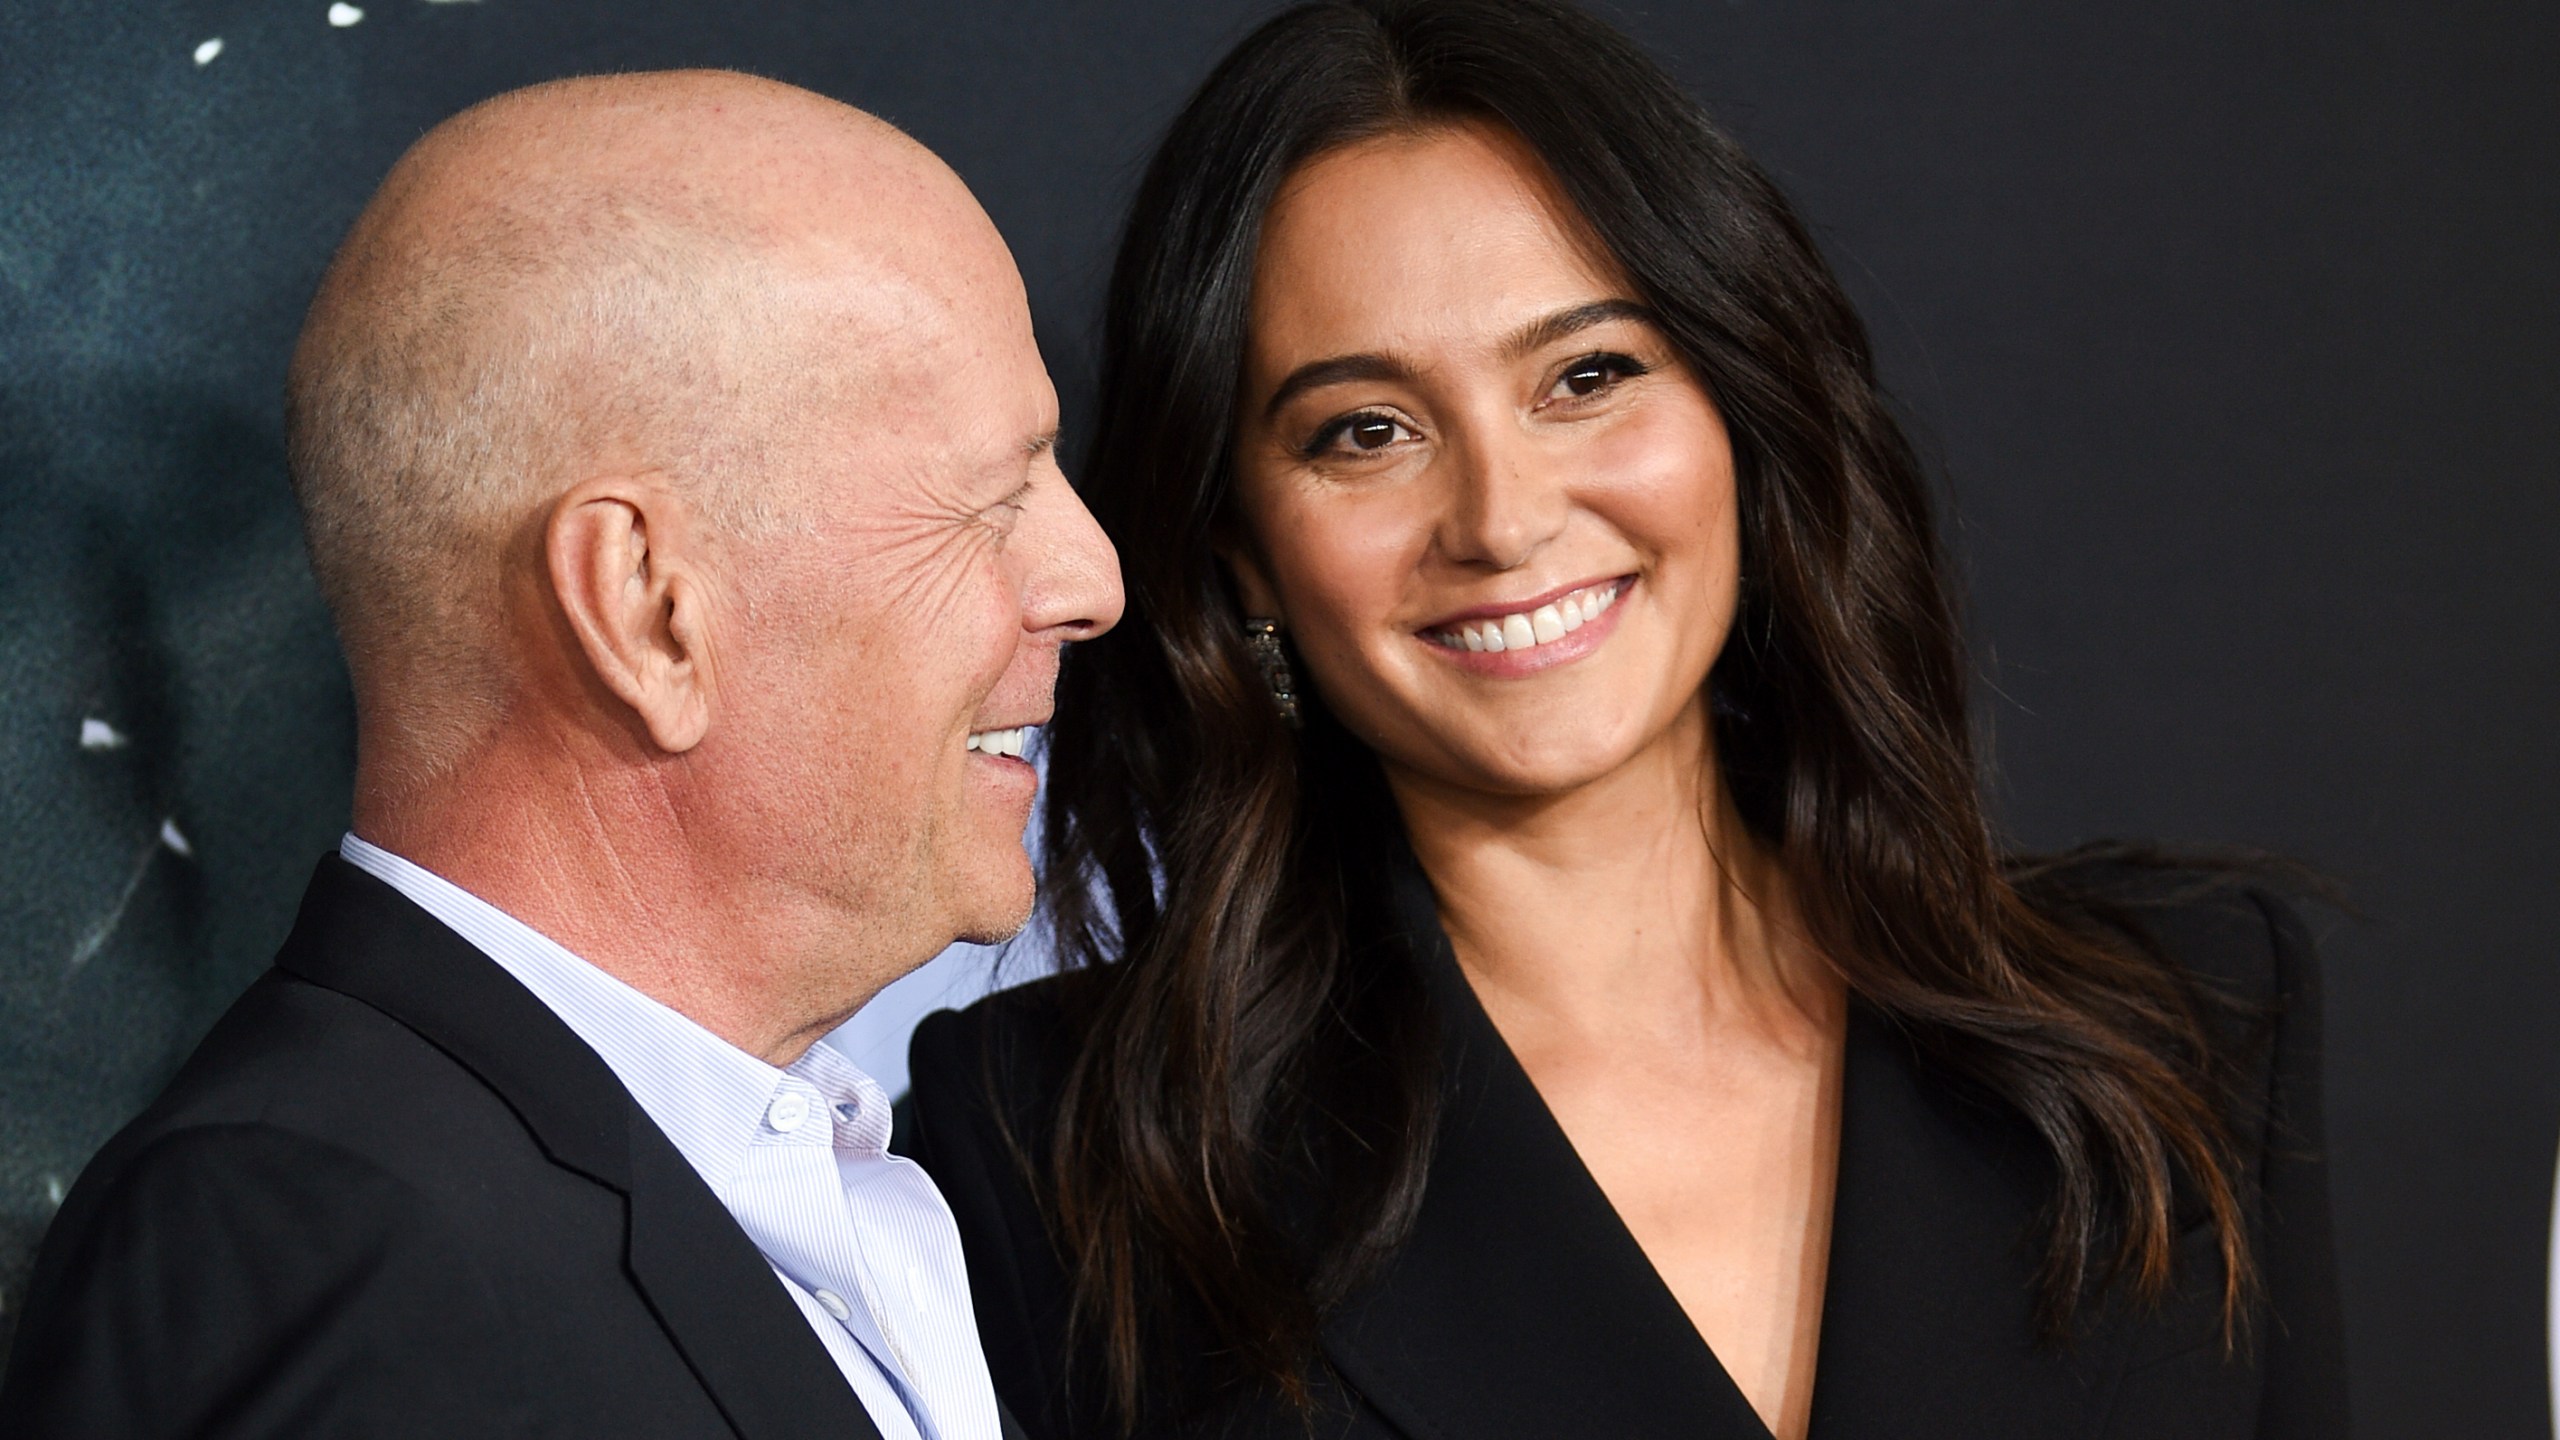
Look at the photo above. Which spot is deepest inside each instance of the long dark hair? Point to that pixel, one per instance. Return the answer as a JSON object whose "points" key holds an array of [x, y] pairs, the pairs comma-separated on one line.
{"points": [[1197, 872]]}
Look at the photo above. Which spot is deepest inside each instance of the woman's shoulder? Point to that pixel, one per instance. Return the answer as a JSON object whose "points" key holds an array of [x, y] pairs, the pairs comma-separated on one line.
{"points": [[2231, 927], [1000, 1059], [2230, 932], [2235, 930], [983, 1083]]}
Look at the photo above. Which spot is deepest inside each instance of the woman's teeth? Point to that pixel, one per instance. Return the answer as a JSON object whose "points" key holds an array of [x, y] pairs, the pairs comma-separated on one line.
{"points": [[1529, 628], [1000, 742]]}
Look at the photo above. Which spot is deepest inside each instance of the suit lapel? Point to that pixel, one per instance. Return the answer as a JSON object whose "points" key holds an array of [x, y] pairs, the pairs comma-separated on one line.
{"points": [[1927, 1324], [726, 1309], [1520, 1305], [717, 1298], [361, 938]]}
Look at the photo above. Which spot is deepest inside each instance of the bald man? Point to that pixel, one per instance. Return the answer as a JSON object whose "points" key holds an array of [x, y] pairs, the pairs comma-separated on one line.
{"points": [[676, 460]]}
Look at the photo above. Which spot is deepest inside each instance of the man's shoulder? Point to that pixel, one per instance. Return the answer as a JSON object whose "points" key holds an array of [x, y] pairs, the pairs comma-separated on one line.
{"points": [[324, 1174], [299, 1057], [270, 1175], [297, 1069]]}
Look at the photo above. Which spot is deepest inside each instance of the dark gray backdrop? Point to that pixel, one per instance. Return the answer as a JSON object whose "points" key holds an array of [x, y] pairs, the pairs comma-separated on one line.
{"points": [[2228, 324]]}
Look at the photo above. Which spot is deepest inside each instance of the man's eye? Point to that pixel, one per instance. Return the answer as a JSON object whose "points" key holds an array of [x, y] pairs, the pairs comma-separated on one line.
{"points": [[1358, 434], [1592, 374], [1004, 512]]}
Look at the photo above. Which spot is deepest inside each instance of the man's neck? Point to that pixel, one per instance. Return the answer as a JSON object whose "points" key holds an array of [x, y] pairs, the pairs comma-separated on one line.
{"points": [[603, 868]]}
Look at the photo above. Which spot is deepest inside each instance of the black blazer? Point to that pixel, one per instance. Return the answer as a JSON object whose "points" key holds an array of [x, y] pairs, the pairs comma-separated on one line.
{"points": [[1522, 1307], [393, 1195]]}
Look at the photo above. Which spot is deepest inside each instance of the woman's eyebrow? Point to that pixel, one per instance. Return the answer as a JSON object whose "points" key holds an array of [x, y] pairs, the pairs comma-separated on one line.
{"points": [[1537, 334], [1548, 329], [1333, 370]]}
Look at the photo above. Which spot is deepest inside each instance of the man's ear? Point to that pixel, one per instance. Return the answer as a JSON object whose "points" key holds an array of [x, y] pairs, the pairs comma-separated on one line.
{"points": [[615, 549]]}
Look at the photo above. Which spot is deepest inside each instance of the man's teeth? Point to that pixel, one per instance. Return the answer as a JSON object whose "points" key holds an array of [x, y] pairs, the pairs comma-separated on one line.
{"points": [[1529, 628], [1000, 742]]}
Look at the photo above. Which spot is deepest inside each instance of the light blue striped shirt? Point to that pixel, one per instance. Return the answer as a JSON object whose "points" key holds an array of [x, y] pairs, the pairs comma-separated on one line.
{"points": [[858, 1236]]}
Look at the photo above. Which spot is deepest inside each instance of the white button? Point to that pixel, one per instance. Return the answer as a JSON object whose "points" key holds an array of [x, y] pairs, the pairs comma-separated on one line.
{"points": [[786, 1112], [848, 1110], [833, 1304]]}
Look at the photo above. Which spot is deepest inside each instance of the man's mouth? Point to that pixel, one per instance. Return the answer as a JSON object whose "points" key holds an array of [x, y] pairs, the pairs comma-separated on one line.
{"points": [[1527, 629], [1000, 742]]}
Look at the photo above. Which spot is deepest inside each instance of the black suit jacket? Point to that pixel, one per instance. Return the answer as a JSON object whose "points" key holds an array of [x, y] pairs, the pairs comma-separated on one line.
{"points": [[1522, 1307], [393, 1195]]}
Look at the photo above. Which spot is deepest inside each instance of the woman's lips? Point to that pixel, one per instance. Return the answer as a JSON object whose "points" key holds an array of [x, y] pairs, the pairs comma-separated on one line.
{"points": [[1536, 636], [1538, 622]]}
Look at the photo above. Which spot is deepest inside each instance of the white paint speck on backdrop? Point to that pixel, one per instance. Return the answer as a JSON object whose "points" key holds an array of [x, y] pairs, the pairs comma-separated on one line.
{"points": [[97, 734], [343, 14], [171, 839], [206, 51]]}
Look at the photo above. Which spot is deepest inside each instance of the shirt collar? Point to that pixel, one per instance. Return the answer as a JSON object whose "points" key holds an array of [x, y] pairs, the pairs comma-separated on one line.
{"points": [[708, 1095]]}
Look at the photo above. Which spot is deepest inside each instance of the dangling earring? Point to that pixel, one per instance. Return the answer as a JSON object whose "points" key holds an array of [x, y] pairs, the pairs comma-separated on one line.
{"points": [[1262, 633]]}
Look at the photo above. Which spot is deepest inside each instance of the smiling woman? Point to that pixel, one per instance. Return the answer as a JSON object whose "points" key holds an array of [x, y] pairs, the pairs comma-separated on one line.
{"points": [[1611, 1012], [1498, 434]]}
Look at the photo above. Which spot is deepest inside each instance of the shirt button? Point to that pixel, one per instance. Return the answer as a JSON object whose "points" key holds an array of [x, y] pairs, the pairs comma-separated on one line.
{"points": [[786, 1112], [833, 1304], [848, 1110]]}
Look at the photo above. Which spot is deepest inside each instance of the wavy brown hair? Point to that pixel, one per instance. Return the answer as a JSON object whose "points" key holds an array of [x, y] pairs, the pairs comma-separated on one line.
{"points": [[1204, 874]]}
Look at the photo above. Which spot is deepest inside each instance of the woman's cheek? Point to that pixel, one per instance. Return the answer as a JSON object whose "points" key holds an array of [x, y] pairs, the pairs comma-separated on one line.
{"points": [[1337, 585], [1671, 462], [1350, 556]]}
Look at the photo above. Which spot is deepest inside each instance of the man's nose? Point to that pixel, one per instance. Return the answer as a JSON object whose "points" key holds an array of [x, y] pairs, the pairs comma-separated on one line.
{"points": [[1074, 589], [1506, 498]]}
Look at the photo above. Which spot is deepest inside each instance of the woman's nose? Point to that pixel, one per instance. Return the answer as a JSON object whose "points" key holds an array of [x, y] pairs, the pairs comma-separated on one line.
{"points": [[1505, 501]]}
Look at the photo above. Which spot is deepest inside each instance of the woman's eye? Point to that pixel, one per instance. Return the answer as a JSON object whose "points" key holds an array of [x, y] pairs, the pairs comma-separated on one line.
{"points": [[1593, 374], [1372, 433], [1358, 434]]}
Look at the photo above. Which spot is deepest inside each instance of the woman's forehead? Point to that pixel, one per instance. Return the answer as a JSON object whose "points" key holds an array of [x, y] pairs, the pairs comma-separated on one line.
{"points": [[1441, 236]]}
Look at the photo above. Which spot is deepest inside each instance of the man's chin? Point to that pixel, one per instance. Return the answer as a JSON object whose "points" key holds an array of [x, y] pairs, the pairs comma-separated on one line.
{"points": [[996, 906], [994, 934]]}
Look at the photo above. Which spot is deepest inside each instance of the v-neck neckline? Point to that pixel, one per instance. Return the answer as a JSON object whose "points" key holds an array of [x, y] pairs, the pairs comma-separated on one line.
{"points": [[1521, 1303]]}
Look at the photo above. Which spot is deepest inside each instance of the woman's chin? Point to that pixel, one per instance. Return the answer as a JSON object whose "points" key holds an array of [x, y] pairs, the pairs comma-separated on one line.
{"points": [[1516, 771]]}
